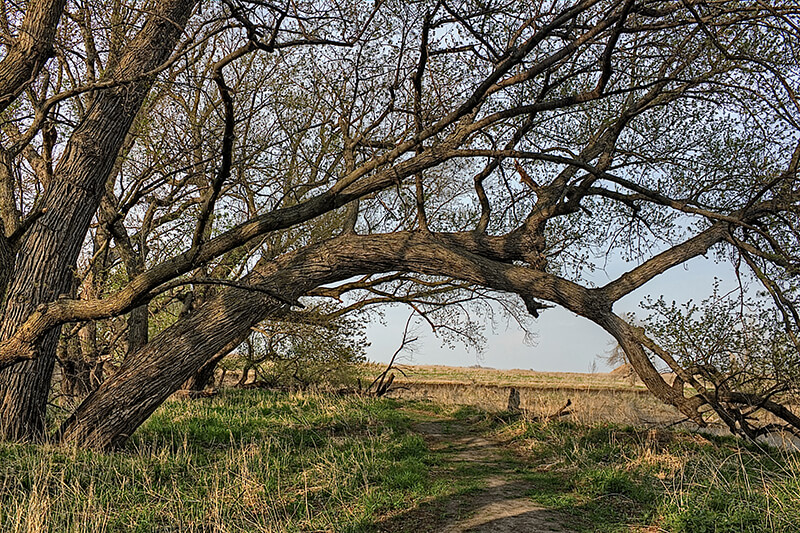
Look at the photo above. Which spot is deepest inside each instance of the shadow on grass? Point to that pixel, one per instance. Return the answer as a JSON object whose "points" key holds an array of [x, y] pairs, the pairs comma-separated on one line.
{"points": [[492, 509], [488, 494]]}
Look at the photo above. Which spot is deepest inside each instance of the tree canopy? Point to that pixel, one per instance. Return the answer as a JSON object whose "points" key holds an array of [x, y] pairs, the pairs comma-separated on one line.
{"points": [[175, 172]]}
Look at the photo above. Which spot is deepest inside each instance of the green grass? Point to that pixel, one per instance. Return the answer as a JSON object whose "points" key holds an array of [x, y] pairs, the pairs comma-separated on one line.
{"points": [[612, 478], [244, 461], [263, 461]]}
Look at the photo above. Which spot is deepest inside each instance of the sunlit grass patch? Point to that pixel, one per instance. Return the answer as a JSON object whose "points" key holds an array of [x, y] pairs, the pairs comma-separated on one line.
{"points": [[613, 478], [243, 461]]}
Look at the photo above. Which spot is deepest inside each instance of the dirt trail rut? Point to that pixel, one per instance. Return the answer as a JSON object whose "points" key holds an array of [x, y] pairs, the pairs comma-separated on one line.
{"points": [[501, 506]]}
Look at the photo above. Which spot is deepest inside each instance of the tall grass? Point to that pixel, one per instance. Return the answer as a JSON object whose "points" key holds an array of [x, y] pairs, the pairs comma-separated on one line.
{"points": [[274, 462], [615, 478], [246, 461]]}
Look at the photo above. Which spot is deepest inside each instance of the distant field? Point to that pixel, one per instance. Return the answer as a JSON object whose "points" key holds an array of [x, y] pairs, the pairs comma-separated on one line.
{"points": [[620, 381], [616, 397]]}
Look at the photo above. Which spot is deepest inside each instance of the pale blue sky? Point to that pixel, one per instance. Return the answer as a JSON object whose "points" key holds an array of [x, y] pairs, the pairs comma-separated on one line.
{"points": [[565, 342]]}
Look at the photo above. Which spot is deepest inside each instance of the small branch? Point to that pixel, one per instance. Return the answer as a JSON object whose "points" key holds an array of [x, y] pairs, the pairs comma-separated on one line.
{"points": [[422, 219], [381, 387], [24, 226], [226, 283], [228, 138]]}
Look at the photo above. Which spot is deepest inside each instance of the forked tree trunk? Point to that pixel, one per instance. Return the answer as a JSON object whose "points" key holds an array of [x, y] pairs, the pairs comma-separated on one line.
{"points": [[49, 250]]}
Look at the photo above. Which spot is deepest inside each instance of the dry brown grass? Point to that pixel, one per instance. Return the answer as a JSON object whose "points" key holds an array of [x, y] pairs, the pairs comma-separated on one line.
{"points": [[609, 397], [519, 377]]}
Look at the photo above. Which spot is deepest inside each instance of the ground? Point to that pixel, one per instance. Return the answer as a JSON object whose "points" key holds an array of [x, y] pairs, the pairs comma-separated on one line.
{"points": [[502, 505], [271, 461]]}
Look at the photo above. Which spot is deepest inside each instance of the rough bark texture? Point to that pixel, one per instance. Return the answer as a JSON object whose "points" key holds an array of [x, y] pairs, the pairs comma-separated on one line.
{"points": [[47, 253], [6, 260], [32, 47]]}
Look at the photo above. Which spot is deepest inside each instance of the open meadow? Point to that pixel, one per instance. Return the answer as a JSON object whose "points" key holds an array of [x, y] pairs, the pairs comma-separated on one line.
{"points": [[261, 460], [617, 397]]}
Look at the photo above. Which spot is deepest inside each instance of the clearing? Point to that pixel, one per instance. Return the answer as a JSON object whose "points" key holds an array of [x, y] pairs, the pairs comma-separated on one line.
{"points": [[266, 461]]}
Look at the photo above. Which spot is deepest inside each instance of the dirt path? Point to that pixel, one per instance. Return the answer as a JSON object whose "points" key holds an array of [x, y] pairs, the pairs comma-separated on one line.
{"points": [[502, 506]]}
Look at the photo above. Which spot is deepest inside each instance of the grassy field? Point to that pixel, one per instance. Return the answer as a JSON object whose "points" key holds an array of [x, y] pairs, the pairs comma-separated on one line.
{"points": [[617, 381], [255, 460], [615, 397], [658, 480], [243, 461]]}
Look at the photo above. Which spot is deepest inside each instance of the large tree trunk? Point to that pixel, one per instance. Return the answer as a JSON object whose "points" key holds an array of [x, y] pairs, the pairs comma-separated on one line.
{"points": [[113, 412], [42, 272], [49, 250], [32, 47]]}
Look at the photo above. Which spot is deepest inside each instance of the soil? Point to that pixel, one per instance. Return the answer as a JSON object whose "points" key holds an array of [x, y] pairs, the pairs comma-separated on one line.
{"points": [[500, 506]]}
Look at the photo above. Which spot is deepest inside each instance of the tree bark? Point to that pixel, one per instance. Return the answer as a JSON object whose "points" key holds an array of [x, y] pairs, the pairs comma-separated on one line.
{"points": [[49, 250], [30, 50], [204, 377]]}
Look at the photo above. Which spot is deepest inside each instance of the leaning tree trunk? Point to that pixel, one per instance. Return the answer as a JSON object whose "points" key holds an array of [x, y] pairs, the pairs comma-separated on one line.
{"points": [[205, 375], [113, 412], [49, 250]]}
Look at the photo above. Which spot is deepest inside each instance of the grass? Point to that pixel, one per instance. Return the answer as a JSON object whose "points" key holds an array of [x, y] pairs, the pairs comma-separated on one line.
{"points": [[618, 478], [262, 461], [244, 461]]}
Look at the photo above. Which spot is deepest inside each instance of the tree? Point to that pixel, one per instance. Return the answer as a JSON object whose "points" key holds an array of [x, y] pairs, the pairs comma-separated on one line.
{"points": [[257, 155], [46, 244], [312, 350]]}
